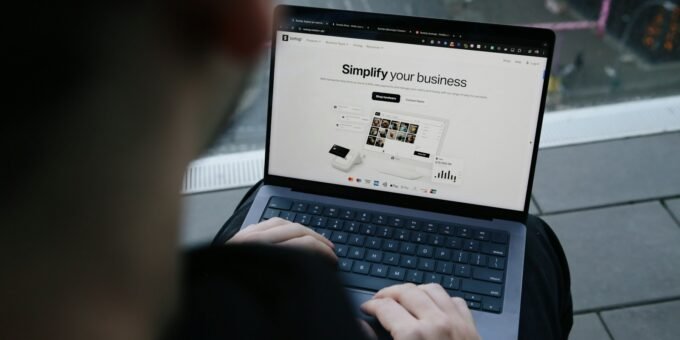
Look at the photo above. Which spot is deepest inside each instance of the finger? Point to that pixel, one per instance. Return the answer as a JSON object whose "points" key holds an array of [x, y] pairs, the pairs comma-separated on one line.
{"points": [[414, 300], [368, 330], [390, 314], [268, 224], [289, 231], [440, 297], [463, 309], [310, 243]]}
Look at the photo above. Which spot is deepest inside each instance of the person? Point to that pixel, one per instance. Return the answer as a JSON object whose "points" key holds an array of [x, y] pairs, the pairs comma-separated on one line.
{"points": [[107, 103]]}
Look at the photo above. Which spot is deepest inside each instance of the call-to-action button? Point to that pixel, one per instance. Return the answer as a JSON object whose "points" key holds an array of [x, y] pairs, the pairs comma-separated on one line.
{"points": [[386, 97], [421, 154]]}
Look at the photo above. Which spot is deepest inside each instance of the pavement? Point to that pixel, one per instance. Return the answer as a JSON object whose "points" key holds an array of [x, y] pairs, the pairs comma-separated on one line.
{"points": [[615, 207]]}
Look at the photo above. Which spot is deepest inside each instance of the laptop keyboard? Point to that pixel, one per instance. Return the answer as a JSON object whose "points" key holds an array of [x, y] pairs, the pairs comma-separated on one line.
{"points": [[376, 250]]}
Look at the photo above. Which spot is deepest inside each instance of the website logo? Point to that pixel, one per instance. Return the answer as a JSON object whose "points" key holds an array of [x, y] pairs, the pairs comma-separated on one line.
{"points": [[285, 37]]}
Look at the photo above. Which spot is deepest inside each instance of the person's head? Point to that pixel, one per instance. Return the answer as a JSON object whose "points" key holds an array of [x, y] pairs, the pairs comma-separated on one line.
{"points": [[108, 101]]}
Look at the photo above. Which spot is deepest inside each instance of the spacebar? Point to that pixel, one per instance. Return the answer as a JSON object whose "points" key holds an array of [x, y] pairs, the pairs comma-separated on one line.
{"points": [[366, 282]]}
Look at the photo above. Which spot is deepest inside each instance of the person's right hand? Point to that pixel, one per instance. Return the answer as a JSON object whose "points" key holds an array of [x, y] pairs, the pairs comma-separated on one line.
{"points": [[427, 311], [277, 231]]}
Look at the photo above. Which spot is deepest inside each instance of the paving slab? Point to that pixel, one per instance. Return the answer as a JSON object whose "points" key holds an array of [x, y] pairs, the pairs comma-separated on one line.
{"points": [[588, 327], [674, 206], [657, 321], [605, 173], [620, 255], [204, 214]]}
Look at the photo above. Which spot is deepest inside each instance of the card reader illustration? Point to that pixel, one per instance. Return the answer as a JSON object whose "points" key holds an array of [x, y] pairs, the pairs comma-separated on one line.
{"points": [[344, 158]]}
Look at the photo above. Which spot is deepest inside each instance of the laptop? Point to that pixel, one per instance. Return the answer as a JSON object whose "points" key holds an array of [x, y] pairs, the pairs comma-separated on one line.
{"points": [[411, 144]]}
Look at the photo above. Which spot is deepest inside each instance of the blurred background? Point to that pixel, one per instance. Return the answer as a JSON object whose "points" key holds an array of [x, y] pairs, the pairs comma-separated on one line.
{"points": [[608, 171]]}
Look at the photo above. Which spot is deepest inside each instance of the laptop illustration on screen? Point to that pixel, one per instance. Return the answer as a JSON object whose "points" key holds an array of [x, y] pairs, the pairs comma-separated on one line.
{"points": [[411, 144]]}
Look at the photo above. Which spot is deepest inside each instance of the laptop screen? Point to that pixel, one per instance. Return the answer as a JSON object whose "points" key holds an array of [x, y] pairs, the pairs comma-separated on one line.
{"points": [[396, 109]]}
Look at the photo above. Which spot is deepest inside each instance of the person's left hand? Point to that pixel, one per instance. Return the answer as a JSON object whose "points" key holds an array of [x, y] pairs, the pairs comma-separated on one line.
{"points": [[277, 231]]}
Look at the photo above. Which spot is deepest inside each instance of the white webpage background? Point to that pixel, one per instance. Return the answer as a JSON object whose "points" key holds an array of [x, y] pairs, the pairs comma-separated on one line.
{"points": [[491, 122]]}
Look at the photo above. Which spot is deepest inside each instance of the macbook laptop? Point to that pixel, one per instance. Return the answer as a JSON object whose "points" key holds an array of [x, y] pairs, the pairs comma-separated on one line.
{"points": [[411, 144]]}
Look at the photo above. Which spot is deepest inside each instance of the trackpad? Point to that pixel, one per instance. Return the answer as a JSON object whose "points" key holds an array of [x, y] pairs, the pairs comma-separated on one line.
{"points": [[358, 298]]}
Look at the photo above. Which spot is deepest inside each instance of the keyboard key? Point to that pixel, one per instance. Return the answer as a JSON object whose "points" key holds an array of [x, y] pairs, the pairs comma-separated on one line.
{"points": [[402, 235], [385, 232], [430, 227], [361, 267], [444, 267], [473, 297], [500, 237], [374, 255], [299, 207], [364, 217], [474, 305], [442, 254], [463, 232], [432, 278], [373, 243], [367, 229], [287, 215], [391, 245], [488, 275], [481, 235], [391, 259], [479, 287], [396, 273], [419, 237], [356, 253], [460, 256], [478, 260], [494, 249], [407, 248], [335, 224], [450, 282], [496, 262], [338, 237], [345, 264], [352, 227], [454, 243], [408, 261], [463, 270], [471, 245], [331, 212], [426, 264], [379, 219], [315, 209], [437, 240], [347, 214], [413, 225], [365, 282], [341, 250], [325, 233], [270, 213], [356, 240], [319, 221], [414, 276], [424, 251], [446, 230], [492, 305], [303, 219], [395, 221], [280, 203], [379, 270]]}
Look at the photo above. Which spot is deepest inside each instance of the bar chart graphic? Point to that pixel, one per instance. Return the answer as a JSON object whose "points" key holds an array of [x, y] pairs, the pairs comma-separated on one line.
{"points": [[446, 171]]}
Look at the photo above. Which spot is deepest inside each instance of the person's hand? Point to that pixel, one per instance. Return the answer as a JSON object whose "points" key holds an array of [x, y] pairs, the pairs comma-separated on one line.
{"points": [[278, 231], [427, 311]]}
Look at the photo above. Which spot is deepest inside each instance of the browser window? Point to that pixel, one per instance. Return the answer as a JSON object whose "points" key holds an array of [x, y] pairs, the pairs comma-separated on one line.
{"points": [[437, 118]]}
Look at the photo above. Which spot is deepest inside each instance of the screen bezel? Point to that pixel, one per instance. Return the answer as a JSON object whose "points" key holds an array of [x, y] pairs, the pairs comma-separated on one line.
{"points": [[506, 34]]}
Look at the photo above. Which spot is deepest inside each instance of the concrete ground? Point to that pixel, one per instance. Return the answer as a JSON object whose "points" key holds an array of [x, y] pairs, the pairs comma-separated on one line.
{"points": [[615, 206]]}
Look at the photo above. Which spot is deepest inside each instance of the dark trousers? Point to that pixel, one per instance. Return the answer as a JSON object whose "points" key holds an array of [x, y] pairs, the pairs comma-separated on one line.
{"points": [[259, 292]]}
